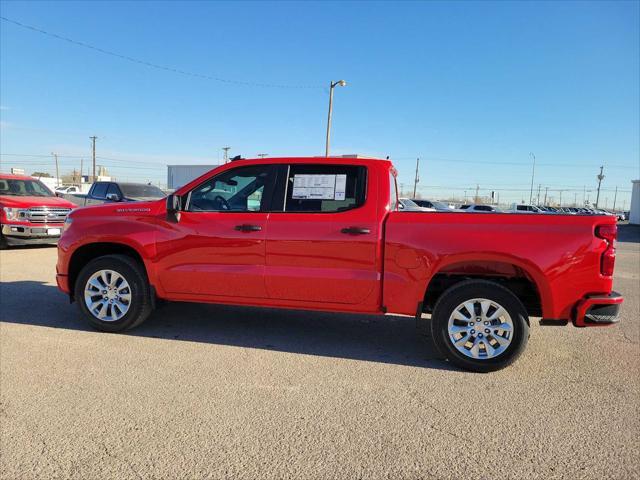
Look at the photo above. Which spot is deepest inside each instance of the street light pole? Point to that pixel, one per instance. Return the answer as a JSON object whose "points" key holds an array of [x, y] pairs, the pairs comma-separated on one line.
{"points": [[332, 85], [533, 172], [600, 177]]}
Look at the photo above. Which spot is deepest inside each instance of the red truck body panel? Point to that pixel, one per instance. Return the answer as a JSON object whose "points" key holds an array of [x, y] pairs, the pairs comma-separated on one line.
{"points": [[305, 261]]}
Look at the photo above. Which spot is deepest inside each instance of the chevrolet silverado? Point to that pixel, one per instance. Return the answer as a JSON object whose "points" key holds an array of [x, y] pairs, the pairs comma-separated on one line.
{"points": [[327, 234]]}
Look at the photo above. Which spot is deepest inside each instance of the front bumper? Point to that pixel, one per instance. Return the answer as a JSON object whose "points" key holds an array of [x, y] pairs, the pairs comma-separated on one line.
{"points": [[24, 234], [63, 283], [598, 310]]}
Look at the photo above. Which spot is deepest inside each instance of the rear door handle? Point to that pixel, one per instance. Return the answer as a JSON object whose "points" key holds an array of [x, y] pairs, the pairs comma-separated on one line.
{"points": [[248, 228], [355, 231]]}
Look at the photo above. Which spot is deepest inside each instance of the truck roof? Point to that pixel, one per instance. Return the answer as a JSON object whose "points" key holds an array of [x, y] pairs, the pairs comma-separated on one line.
{"points": [[11, 176], [318, 159]]}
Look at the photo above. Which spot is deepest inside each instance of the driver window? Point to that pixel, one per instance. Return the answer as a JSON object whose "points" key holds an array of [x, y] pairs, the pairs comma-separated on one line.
{"points": [[237, 190]]}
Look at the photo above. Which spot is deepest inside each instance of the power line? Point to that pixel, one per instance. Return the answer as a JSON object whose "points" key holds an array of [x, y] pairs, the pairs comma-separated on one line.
{"points": [[155, 65], [518, 164]]}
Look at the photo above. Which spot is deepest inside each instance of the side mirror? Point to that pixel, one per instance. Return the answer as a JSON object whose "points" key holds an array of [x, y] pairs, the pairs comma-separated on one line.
{"points": [[174, 206], [113, 197]]}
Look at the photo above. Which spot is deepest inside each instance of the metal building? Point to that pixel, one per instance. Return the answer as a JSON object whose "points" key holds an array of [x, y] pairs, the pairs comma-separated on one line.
{"points": [[634, 210], [179, 175]]}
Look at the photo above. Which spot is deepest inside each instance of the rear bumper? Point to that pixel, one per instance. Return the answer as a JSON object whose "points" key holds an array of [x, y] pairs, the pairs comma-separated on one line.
{"points": [[598, 310]]}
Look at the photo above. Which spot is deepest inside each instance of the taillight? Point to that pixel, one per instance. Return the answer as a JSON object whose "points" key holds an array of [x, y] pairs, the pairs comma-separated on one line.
{"points": [[608, 232], [608, 260]]}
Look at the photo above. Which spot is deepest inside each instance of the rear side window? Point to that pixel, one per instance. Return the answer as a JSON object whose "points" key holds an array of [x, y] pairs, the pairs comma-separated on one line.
{"points": [[325, 188], [100, 190], [393, 192], [484, 208]]}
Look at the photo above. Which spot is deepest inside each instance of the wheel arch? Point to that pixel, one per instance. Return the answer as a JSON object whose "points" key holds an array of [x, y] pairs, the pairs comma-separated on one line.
{"points": [[85, 253], [527, 282]]}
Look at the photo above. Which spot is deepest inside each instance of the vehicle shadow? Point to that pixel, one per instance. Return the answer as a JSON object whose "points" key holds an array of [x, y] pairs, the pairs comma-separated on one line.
{"points": [[629, 233], [382, 339]]}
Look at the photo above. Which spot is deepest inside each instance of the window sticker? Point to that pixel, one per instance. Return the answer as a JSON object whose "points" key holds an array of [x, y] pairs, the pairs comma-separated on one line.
{"points": [[319, 187]]}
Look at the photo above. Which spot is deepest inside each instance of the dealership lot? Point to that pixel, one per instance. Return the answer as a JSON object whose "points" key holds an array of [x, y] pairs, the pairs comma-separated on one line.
{"points": [[209, 391]]}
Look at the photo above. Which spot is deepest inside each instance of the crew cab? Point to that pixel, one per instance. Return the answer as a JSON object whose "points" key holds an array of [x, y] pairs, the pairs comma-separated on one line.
{"points": [[29, 212], [327, 234], [106, 192]]}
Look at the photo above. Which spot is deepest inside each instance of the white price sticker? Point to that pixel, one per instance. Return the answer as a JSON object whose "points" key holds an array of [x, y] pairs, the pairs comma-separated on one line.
{"points": [[319, 187]]}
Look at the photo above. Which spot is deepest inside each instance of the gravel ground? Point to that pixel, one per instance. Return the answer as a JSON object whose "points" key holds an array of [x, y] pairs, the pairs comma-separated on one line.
{"points": [[224, 392]]}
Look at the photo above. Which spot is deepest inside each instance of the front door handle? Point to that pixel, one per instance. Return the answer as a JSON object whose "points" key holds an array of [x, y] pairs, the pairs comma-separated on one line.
{"points": [[355, 231], [248, 228]]}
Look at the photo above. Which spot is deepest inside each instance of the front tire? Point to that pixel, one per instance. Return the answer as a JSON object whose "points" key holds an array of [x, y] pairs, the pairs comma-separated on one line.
{"points": [[113, 293], [480, 325]]}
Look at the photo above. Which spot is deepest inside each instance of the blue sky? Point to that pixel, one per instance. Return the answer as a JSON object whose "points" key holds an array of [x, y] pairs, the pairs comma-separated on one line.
{"points": [[470, 88]]}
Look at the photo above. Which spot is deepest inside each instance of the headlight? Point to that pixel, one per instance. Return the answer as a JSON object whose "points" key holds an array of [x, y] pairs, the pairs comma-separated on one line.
{"points": [[67, 223], [14, 213]]}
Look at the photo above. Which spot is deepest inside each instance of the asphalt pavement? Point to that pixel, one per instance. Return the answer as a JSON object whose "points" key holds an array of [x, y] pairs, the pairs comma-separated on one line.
{"points": [[202, 391]]}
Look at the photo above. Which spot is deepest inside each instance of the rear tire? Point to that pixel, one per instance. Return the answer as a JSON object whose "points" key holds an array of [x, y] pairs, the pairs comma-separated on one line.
{"points": [[3, 242], [490, 337], [113, 293]]}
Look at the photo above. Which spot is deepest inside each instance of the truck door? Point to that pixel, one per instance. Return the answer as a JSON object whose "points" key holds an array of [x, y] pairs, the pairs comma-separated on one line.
{"points": [[217, 248], [322, 236]]}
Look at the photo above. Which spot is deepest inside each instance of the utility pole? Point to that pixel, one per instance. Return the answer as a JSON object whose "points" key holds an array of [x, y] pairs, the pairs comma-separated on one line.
{"points": [[416, 178], [93, 139], [226, 153], [600, 177], [615, 195], [575, 199], [538, 203], [80, 170], [477, 189], [584, 196], [465, 196], [533, 172], [55, 155], [560, 203], [546, 190]]}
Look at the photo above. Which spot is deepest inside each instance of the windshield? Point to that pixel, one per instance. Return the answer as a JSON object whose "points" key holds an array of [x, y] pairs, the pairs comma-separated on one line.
{"points": [[24, 188], [141, 191]]}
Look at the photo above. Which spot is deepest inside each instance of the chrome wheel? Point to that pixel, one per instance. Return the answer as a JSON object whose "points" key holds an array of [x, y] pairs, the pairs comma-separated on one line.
{"points": [[107, 295], [480, 328]]}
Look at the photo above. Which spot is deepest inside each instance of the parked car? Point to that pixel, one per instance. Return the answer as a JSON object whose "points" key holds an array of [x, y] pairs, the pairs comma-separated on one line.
{"points": [[431, 204], [410, 205], [524, 208], [30, 213], [59, 191], [107, 192], [328, 234], [473, 208]]}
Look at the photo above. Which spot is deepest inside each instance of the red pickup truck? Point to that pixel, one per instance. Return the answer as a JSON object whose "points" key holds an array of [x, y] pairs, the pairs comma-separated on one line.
{"points": [[29, 212], [327, 234]]}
